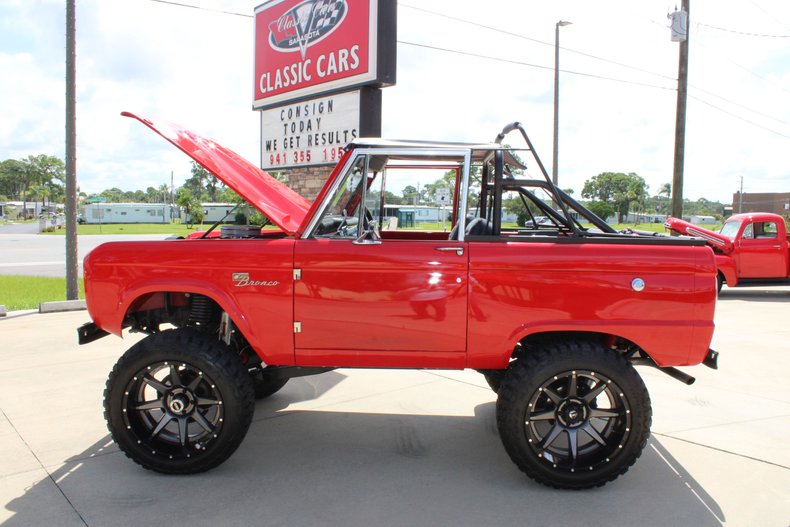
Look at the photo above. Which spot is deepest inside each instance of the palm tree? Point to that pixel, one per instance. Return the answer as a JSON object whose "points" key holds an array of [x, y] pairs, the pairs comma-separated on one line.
{"points": [[666, 190]]}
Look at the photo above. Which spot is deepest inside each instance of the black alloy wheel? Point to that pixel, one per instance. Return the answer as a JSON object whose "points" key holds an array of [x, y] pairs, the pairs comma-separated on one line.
{"points": [[179, 402], [573, 415]]}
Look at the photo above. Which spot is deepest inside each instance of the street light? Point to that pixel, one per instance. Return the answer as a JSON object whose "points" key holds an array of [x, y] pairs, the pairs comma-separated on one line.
{"points": [[557, 27]]}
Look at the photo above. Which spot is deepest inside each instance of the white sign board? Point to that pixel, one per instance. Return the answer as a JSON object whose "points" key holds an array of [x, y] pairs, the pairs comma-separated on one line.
{"points": [[442, 196], [309, 133]]}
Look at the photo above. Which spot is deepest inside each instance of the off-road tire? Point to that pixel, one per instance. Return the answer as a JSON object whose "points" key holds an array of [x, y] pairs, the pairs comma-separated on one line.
{"points": [[494, 378], [179, 402], [573, 392], [264, 384]]}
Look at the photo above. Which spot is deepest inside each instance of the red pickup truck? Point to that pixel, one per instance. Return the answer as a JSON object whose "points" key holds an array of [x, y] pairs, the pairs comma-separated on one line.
{"points": [[554, 314], [751, 249]]}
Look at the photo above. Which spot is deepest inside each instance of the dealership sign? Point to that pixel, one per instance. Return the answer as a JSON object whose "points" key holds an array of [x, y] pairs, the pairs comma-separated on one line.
{"points": [[312, 47], [314, 132]]}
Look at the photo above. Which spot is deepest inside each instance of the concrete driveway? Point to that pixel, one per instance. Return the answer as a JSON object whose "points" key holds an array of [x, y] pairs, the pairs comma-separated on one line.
{"points": [[372, 447]]}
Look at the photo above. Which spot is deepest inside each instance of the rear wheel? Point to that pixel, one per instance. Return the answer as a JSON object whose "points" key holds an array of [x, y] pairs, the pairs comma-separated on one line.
{"points": [[494, 378], [179, 402], [573, 415]]}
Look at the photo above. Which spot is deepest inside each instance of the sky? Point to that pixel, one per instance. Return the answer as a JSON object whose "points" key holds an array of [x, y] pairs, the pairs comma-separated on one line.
{"points": [[618, 87]]}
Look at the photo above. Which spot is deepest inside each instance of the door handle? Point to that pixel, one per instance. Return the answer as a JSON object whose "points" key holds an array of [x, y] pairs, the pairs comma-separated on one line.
{"points": [[458, 250]]}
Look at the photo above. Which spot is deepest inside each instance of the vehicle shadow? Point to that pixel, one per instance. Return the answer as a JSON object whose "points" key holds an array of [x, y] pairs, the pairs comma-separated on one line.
{"points": [[755, 295], [315, 467]]}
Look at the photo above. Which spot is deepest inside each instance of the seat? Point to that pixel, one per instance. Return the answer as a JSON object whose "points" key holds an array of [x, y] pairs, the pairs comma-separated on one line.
{"points": [[454, 231], [479, 227]]}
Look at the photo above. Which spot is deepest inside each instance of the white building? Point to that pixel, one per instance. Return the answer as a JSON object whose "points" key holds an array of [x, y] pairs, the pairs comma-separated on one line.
{"points": [[213, 212], [127, 213]]}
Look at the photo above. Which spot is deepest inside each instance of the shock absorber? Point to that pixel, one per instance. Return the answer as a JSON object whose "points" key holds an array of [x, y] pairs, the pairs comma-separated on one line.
{"points": [[202, 311]]}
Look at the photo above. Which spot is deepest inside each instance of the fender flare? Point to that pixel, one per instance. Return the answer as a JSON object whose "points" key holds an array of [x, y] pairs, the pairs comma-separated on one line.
{"points": [[224, 300], [726, 266]]}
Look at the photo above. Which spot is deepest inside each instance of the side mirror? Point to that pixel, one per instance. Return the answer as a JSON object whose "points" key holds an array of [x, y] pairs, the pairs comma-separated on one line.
{"points": [[369, 236]]}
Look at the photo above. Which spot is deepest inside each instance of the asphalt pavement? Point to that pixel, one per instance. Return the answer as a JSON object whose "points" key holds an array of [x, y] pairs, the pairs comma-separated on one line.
{"points": [[392, 448], [25, 253]]}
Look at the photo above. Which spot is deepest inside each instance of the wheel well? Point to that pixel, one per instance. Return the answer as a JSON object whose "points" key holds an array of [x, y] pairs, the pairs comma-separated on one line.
{"points": [[184, 309], [538, 340]]}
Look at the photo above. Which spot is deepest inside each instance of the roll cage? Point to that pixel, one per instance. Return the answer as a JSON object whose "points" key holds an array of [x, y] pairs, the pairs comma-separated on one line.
{"points": [[483, 175]]}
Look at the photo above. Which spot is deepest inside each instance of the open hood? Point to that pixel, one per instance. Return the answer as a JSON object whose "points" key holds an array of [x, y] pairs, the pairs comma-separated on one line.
{"points": [[280, 204]]}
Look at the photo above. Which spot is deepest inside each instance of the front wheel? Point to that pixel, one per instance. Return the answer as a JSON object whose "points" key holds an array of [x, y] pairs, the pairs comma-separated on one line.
{"points": [[179, 402], [573, 415]]}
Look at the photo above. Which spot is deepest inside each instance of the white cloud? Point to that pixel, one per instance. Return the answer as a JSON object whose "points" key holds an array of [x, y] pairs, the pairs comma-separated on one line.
{"points": [[194, 67]]}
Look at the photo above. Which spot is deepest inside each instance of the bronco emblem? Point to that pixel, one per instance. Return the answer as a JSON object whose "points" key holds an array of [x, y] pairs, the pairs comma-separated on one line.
{"points": [[306, 24], [243, 280]]}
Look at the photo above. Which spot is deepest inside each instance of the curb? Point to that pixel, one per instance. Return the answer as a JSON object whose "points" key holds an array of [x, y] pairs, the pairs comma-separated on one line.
{"points": [[20, 313], [46, 307], [65, 305]]}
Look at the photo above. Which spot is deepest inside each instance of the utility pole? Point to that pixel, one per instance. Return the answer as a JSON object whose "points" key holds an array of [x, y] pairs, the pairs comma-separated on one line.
{"points": [[555, 152], [72, 269], [680, 119]]}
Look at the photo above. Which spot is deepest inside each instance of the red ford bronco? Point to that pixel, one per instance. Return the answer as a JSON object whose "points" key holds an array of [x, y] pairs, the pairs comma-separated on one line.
{"points": [[554, 313]]}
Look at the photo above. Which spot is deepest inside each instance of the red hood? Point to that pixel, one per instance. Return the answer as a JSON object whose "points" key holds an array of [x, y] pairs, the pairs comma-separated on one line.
{"points": [[280, 204], [714, 239]]}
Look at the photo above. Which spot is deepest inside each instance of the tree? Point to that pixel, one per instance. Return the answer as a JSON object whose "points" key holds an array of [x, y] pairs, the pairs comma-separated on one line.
{"points": [[193, 210], [112, 195], [620, 190], [410, 193], [601, 209], [46, 174], [447, 181], [203, 184]]}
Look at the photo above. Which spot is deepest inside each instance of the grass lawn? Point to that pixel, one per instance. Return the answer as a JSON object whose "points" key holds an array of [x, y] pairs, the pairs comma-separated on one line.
{"points": [[27, 292]]}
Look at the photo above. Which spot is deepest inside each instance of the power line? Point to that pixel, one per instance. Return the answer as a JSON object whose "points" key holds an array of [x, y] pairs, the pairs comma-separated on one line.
{"points": [[744, 33], [527, 64], [744, 68], [738, 117], [200, 8], [740, 105], [520, 63], [510, 33], [505, 32], [524, 37], [769, 15]]}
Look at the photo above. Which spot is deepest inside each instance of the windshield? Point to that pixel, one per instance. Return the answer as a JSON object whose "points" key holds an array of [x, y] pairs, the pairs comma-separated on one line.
{"points": [[730, 229]]}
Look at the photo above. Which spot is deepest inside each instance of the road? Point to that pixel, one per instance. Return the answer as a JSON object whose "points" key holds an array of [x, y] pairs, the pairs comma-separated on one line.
{"points": [[45, 255]]}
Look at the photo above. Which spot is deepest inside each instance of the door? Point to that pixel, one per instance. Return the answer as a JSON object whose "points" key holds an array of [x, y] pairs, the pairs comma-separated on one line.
{"points": [[371, 292], [761, 254], [398, 303]]}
